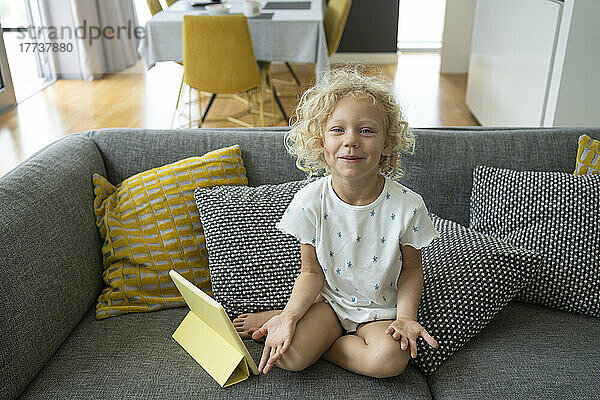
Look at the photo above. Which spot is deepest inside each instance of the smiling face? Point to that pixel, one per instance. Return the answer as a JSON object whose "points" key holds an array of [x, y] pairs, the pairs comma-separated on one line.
{"points": [[354, 140]]}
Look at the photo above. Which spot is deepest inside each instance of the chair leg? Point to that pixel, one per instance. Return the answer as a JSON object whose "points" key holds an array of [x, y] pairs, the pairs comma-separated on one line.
{"points": [[285, 117], [269, 83], [212, 98], [260, 106], [248, 101], [190, 107], [287, 64], [277, 100], [177, 104], [250, 97], [200, 110]]}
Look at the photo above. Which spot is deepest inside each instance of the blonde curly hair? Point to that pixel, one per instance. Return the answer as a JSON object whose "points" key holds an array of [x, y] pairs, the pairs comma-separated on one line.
{"points": [[304, 139]]}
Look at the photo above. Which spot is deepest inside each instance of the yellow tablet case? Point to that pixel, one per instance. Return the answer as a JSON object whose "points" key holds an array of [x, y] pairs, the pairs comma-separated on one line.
{"points": [[208, 335]]}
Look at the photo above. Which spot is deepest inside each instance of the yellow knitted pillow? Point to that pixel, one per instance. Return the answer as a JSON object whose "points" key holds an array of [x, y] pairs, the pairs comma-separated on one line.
{"points": [[150, 224], [588, 156]]}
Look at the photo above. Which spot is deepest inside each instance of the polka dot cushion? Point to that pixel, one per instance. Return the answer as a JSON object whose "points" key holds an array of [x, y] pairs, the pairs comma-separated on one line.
{"points": [[468, 278], [252, 265], [552, 213]]}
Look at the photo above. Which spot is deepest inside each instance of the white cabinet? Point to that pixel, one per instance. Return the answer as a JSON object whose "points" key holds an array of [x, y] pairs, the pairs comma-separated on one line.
{"points": [[535, 63]]}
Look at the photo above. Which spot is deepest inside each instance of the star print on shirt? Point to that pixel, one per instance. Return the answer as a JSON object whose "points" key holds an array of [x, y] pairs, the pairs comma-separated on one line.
{"points": [[387, 196], [330, 253], [338, 271], [376, 286], [357, 239], [372, 213], [393, 217], [415, 228], [382, 240], [374, 259], [404, 191], [414, 211], [339, 234], [349, 264], [325, 216]]}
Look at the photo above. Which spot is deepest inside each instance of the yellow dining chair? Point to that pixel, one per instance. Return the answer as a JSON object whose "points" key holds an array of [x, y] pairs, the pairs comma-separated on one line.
{"points": [[169, 2], [218, 58], [334, 22], [154, 6]]}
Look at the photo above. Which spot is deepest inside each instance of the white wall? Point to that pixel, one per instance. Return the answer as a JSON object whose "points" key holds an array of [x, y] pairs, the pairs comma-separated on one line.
{"points": [[574, 90], [456, 39]]}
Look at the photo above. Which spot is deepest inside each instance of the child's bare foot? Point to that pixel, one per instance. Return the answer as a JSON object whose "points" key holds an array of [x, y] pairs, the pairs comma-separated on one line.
{"points": [[247, 324]]}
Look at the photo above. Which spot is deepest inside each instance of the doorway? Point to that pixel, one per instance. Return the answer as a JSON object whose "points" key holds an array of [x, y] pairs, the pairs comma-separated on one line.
{"points": [[420, 25]]}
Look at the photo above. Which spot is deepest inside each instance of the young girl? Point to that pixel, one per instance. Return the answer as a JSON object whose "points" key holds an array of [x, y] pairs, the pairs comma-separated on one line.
{"points": [[355, 301]]}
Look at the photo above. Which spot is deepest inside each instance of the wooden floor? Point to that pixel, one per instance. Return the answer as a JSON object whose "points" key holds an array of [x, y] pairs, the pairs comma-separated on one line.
{"points": [[146, 99]]}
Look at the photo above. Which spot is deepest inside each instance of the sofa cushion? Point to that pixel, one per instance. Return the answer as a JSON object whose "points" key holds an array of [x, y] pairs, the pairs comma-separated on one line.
{"points": [[468, 278], [526, 352], [253, 265], [588, 156], [135, 357], [151, 225], [552, 213]]}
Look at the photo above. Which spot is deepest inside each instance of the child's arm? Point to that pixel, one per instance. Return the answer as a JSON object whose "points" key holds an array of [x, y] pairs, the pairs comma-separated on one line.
{"points": [[307, 285], [410, 283], [410, 286], [280, 328]]}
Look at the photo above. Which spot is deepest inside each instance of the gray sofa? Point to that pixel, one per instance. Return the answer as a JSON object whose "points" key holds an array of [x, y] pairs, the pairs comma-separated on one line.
{"points": [[50, 278]]}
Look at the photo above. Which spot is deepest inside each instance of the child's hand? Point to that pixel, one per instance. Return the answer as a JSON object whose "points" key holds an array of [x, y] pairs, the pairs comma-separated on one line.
{"points": [[407, 330], [280, 331]]}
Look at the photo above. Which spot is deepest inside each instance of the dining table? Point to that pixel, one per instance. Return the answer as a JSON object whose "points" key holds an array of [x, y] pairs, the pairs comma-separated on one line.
{"points": [[284, 31]]}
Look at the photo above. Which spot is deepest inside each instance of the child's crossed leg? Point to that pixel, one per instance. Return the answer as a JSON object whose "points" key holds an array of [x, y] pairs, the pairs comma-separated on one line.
{"points": [[369, 351]]}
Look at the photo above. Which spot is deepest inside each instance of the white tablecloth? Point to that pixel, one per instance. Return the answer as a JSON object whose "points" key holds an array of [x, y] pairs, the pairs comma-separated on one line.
{"points": [[290, 35]]}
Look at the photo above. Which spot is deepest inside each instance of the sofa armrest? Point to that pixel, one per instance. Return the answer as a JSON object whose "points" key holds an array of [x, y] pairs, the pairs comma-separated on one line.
{"points": [[50, 255]]}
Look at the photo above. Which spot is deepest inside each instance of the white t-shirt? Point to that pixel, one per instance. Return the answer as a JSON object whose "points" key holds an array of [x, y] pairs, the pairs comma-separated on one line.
{"points": [[358, 247]]}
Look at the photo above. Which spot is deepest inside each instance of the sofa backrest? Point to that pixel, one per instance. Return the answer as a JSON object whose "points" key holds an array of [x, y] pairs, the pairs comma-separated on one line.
{"points": [[129, 151], [440, 168]]}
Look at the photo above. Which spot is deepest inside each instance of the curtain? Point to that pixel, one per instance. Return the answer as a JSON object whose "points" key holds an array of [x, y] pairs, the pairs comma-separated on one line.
{"points": [[104, 35]]}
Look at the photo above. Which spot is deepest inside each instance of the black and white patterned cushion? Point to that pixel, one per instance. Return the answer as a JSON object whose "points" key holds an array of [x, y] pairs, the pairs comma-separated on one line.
{"points": [[252, 265], [468, 278], [552, 213]]}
